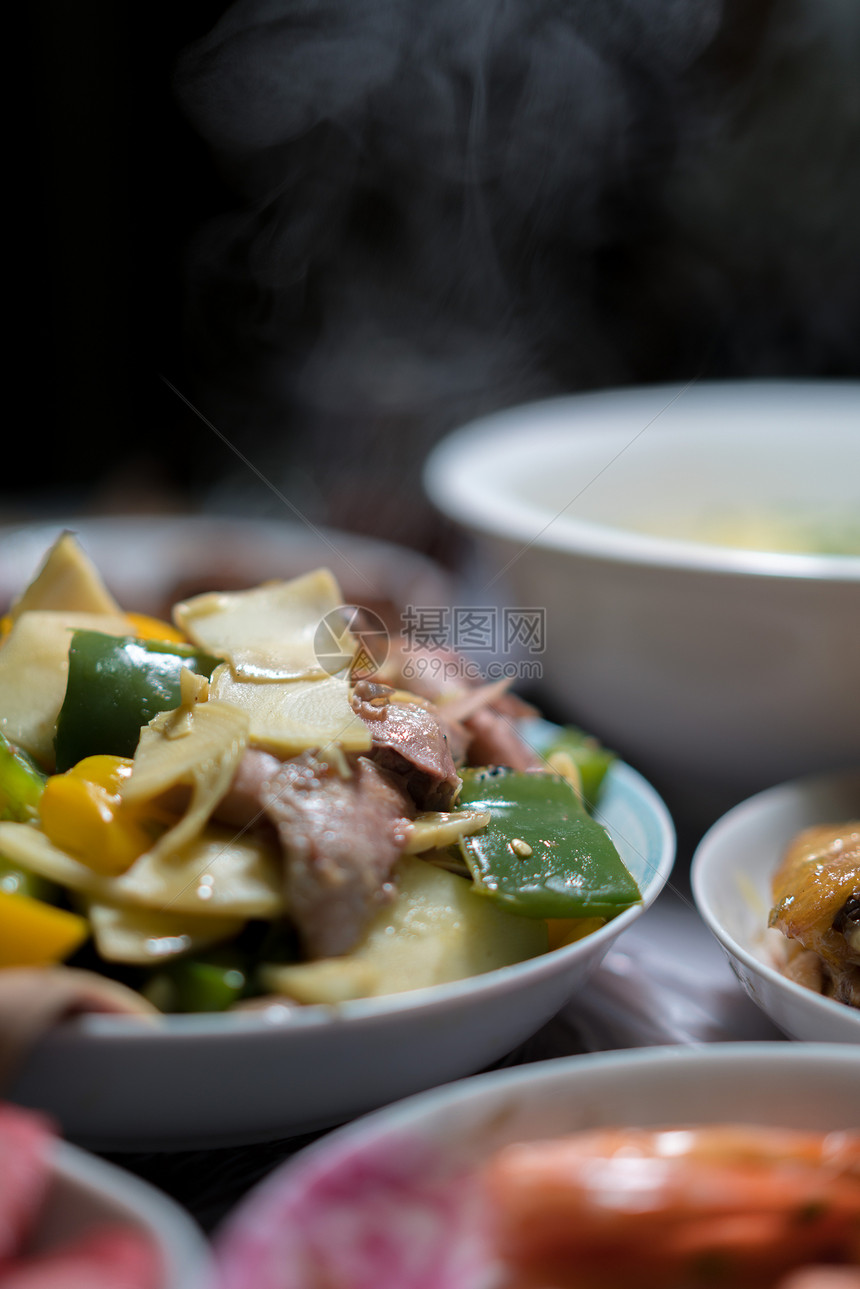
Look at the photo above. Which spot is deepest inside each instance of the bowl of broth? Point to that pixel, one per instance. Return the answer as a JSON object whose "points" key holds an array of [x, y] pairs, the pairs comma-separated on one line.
{"points": [[696, 553]]}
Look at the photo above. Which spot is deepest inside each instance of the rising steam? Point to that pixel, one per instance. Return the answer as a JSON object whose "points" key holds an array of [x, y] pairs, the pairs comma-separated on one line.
{"points": [[444, 206]]}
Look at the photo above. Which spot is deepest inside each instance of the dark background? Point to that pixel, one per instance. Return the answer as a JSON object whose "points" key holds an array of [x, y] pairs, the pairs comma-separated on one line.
{"points": [[120, 183], [725, 246]]}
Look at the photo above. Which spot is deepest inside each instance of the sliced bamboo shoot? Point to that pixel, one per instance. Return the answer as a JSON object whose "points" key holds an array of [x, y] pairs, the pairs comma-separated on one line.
{"points": [[291, 716], [436, 931], [211, 739], [437, 829], [268, 632], [146, 937], [25, 845], [219, 874], [67, 581], [329, 980]]}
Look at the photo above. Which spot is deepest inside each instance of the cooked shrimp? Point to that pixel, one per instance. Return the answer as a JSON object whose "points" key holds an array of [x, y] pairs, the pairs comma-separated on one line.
{"points": [[675, 1208]]}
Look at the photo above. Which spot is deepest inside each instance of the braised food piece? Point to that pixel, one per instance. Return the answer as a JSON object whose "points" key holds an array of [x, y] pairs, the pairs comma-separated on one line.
{"points": [[341, 837], [495, 740], [242, 805], [484, 717], [410, 742], [816, 902]]}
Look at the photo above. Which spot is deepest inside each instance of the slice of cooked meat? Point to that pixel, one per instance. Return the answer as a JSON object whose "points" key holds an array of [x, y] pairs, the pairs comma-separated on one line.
{"points": [[487, 735], [435, 671], [816, 899], [243, 802], [429, 671], [409, 740], [341, 838], [495, 740], [369, 699]]}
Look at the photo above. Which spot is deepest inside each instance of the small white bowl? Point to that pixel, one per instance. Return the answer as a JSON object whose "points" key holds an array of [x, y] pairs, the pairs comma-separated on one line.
{"points": [[387, 1203], [717, 671], [117, 1083], [731, 875], [86, 1192]]}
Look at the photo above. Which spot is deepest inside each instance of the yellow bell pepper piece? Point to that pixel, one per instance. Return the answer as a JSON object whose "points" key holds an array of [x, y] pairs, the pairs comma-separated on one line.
{"points": [[83, 814], [109, 772], [147, 628], [564, 931], [33, 934]]}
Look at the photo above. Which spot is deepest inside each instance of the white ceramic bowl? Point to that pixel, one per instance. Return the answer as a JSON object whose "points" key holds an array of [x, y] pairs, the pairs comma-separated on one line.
{"points": [[187, 1081], [731, 875], [150, 561], [207, 1080], [386, 1203], [717, 671], [86, 1192]]}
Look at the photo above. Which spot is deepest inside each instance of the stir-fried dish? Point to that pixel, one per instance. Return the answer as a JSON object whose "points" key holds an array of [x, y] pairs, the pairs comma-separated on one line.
{"points": [[210, 811], [682, 1208], [816, 908]]}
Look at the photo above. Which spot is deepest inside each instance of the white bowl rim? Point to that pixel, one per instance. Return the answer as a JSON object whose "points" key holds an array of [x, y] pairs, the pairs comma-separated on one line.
{"points": [[419, 1106], [700, 862], [185, 1251], [279, 1019], [285, 533], [453, 481]]}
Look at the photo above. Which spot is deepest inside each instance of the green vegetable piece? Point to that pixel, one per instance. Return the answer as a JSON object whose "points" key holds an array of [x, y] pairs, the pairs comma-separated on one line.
{"points": [[21, 783], [588, 755], [117, 684], [19, 881], [21, 786], [542, 855], [208, 984]]}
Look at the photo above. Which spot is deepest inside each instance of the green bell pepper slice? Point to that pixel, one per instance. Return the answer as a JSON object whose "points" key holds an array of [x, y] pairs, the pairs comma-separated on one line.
{"points": [[206, 984], [542, 855], [21, 786], [588, 755], [19, 881], [21, 783], [116, 685]]}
